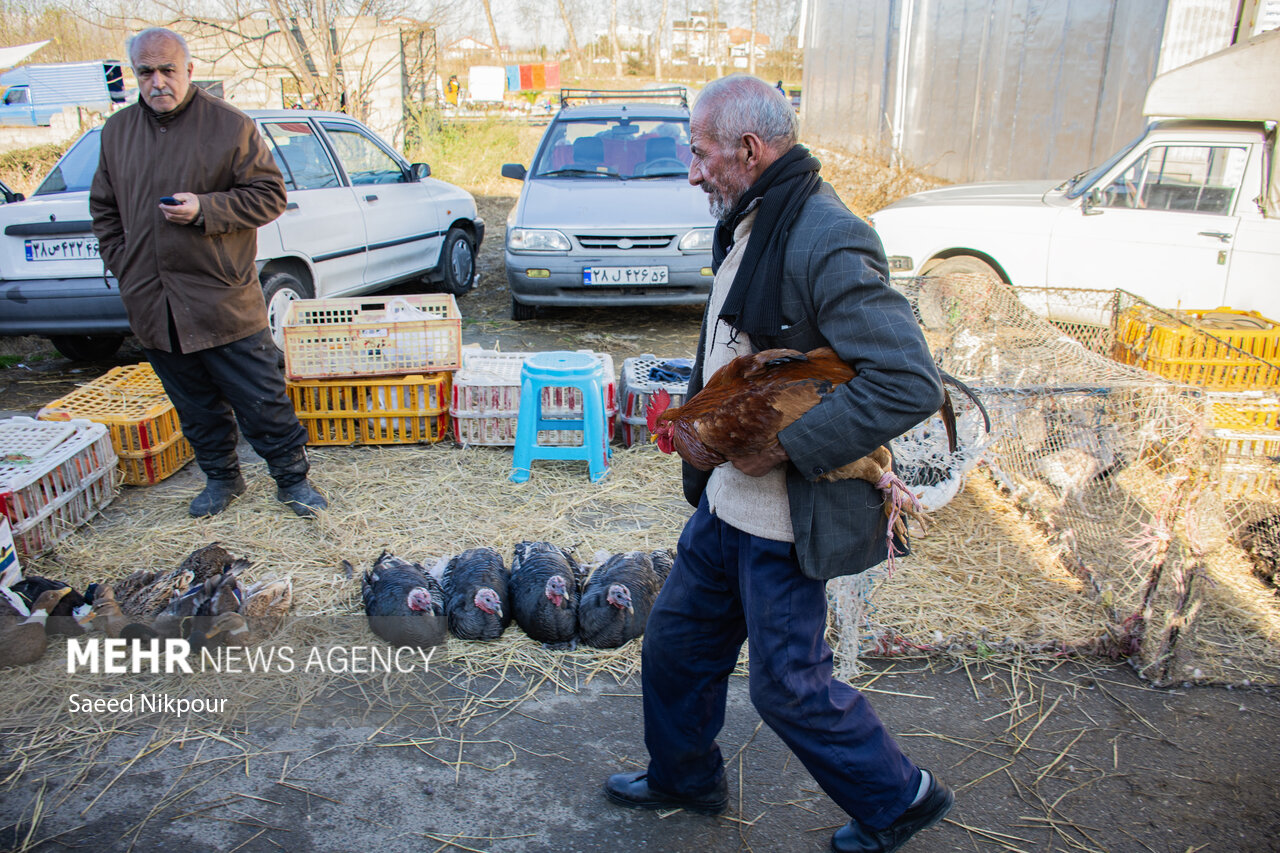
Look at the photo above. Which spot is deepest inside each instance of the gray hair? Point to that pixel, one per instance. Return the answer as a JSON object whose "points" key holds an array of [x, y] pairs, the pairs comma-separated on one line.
{"points": [[150, 33], [742, 104]]}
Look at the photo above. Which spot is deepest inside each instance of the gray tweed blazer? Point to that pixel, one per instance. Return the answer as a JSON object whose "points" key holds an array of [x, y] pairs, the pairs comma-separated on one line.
{"points": [[835, 293]]}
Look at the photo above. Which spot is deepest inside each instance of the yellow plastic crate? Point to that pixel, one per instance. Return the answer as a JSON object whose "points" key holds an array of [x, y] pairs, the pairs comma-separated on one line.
{"points": [[1250, 463], [1245, 412], [384, 410], [144, 427], [333, 338], [1176, 346]]}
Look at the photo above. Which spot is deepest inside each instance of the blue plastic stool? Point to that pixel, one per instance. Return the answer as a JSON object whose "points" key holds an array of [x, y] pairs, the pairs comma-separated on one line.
{"points": [[562, 370]]}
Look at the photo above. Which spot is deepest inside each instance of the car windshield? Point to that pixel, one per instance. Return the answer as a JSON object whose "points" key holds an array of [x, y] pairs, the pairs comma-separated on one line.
{"points": [[74, 172], [623, 147], [1081, 182]]}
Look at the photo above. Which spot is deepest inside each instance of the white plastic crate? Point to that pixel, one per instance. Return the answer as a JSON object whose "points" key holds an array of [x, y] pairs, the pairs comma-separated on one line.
{"points": [[49, 488], [634, 393], [486, 400]]}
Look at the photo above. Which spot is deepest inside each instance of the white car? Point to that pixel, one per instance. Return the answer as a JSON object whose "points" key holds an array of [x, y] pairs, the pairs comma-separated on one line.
{"points": [[359, 218], [1185, 216]]}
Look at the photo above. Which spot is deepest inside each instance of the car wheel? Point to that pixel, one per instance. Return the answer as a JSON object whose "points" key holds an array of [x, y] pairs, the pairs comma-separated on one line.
{"points": [[457, 262], [279, 289], [941, 303], [87, 347], [521, 311]]}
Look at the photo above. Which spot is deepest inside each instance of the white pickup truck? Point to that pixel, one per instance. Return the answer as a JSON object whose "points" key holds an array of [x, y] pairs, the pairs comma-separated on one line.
{"points": [[1185, 216]]}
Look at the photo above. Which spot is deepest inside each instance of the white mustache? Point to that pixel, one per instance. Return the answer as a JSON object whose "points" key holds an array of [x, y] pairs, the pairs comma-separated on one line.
{"points": [[155, 93]]}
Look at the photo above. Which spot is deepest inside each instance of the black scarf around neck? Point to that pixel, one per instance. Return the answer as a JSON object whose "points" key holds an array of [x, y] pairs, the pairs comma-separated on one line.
{"points": [[753, 304]]}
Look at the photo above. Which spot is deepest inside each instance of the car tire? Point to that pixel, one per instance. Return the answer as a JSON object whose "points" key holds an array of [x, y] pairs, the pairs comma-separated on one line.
{"points": [[457, 262], [87, 347], [939, 305], [520, 311], [279, 289]]}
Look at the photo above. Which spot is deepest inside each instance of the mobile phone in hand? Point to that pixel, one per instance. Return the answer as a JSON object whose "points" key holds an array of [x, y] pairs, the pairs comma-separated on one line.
{"points": [[170, 200]]}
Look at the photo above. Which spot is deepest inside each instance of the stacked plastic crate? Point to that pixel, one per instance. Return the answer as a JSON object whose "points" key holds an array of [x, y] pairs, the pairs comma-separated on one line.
{"points": [[1235, 357], [486, 400], [372, 370], [144, 426], [642, 377], [53, 478]]}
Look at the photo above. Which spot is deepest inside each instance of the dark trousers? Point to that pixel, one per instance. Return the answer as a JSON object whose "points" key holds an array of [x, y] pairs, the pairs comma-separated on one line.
{"points": [[240, 381], [726, 587]]}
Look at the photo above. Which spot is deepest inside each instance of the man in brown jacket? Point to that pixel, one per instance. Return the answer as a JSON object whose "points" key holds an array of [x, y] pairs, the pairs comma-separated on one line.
{"points": [[183, 183]]}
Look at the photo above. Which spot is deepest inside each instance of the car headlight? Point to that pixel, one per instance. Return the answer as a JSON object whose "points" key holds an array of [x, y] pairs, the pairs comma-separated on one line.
{"points": [[537, 240], [697, 240]]}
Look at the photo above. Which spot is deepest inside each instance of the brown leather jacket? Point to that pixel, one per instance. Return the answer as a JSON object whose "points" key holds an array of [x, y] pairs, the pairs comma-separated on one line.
{"points": [[205, 274]]}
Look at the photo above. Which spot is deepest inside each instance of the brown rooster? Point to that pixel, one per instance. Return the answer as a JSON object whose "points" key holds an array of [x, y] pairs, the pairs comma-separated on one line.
{"points": [[746, 403]]}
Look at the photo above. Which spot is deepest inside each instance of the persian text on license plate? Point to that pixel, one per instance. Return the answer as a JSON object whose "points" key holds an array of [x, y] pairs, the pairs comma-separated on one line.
{"points": [[64, 249], [624, 275]]}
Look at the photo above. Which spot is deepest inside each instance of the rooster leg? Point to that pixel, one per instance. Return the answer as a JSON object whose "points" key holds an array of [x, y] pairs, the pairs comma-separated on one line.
{"points": [[899, 505]]}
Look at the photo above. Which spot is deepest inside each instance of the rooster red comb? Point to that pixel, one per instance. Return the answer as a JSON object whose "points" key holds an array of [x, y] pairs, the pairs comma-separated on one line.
{"points": [[657, 405]]}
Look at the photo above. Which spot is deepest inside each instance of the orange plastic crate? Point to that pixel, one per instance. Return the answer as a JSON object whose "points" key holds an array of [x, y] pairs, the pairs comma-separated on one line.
{"points": [[144, 427], [383, 410], [1175, 346], [333, 338]]}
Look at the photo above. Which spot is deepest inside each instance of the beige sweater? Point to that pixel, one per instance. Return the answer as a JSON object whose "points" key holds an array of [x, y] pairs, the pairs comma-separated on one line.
{"points": [[755, 505]]}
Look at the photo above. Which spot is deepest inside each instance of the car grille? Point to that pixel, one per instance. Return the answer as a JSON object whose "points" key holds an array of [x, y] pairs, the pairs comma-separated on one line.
{"points": [[625, 241]]}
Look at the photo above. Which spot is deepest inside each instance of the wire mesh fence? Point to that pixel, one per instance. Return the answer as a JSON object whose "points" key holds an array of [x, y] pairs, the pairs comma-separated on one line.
{"points": [[1145, 444]]}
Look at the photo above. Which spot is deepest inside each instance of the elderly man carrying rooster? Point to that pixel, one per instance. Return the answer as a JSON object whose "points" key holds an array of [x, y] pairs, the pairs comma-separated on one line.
{"points": [[794, 269]]}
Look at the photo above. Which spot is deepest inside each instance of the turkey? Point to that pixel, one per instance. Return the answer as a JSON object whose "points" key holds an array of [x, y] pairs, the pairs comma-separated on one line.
{"points": [[544, 593], [476, 595], [404, 604], [616, 602]]}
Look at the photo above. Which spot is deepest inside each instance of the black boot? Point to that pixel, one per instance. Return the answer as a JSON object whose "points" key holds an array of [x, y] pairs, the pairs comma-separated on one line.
{"points": [[292, 488], [217, 494]]}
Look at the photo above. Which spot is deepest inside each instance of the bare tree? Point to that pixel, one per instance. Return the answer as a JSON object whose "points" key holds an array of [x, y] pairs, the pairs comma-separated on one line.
{"points": [[715, 37], [493, 29], [751, 47], [613, 39], [657, 41], [574, 53]]}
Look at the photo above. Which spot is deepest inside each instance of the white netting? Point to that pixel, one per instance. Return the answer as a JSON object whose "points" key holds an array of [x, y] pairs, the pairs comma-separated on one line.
{"points": [[1155, 492]]}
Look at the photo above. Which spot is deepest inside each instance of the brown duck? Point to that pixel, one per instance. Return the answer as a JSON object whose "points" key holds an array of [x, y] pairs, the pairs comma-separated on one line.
{"points": [[26, 641]]}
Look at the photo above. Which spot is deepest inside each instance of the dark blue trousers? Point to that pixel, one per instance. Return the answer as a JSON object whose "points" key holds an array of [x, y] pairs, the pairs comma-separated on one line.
{"points": [[726, 587]]}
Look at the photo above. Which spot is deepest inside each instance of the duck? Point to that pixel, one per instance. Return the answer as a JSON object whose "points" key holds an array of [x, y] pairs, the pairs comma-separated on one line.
{"points": [[616, 602], [403, 603], [112, 619], [69, 617], [477, 599], [143, 594], [266, 605], [25, 642], [545, 580]]}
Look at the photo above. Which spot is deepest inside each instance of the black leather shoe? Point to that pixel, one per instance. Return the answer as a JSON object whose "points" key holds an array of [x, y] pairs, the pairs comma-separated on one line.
{"points": [[632, 790], [853, 837], [302, 498], [217, 495]]}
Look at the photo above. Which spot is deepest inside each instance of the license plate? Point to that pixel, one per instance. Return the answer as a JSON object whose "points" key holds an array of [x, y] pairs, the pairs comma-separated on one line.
{"points": [[64, 249], [624, 275]]}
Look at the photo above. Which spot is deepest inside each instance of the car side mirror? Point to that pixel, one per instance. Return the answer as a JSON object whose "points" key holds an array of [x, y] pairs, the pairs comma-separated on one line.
{"points": [[418, 171], [515, 171], [1092, 201]]}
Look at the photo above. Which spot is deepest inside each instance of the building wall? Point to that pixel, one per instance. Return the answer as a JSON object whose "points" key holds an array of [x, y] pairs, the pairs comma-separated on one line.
{"points": [[994, 89]]}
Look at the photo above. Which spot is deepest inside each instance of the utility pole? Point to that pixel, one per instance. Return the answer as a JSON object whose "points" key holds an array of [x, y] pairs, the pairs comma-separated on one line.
{"points": [[613, 40], [715, 37], [751, 48]]}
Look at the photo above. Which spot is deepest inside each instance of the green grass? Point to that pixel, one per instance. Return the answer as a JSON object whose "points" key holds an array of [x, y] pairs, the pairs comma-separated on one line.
{"points": [[471, 153]]}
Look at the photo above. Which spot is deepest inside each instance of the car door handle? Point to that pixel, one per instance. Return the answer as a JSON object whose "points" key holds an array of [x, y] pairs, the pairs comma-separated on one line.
{"points": [[1221, 235], [293, 205], [371, 198]]}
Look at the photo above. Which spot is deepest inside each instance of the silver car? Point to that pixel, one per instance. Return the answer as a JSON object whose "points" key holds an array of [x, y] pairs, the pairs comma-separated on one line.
{"points": [[607, 215]]}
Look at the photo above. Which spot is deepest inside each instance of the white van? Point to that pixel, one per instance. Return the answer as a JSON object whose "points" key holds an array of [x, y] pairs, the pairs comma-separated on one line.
{"points": [[1185, 216]]}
